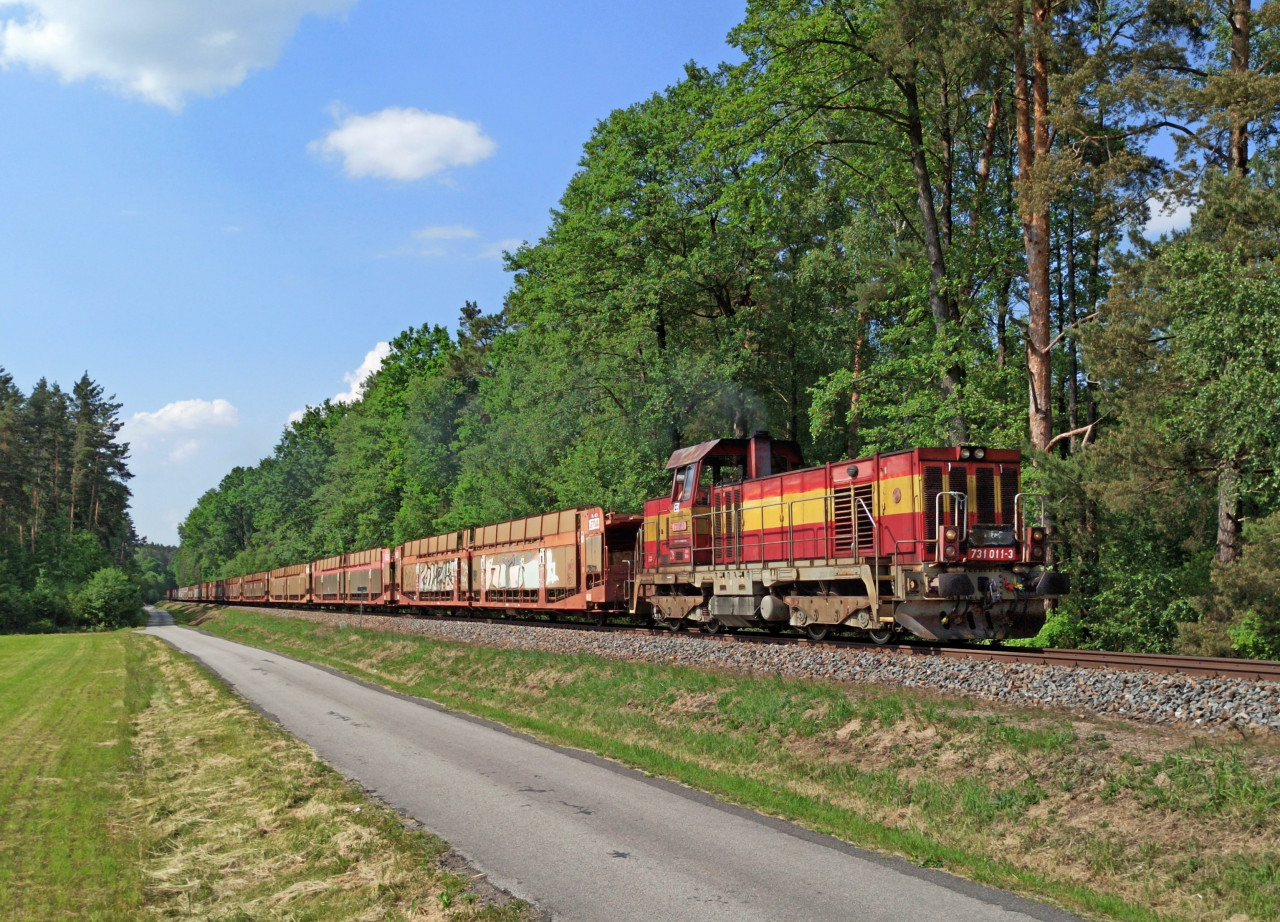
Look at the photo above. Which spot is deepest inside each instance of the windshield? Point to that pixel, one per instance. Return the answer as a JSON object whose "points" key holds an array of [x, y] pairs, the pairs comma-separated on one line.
{"points": [[991, 535]]}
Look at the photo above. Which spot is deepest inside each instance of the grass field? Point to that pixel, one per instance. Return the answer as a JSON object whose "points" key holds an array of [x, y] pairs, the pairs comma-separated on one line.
{"points": [[1108, 819], [65, 709], [135, 786]]}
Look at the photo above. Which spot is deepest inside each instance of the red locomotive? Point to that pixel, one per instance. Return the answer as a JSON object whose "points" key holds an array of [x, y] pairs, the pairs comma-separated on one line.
{"points": [[936, 542], [933, 541]]}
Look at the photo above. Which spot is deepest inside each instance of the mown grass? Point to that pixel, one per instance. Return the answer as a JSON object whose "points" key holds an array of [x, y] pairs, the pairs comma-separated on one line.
{"points": [[1111, 820], [136, 786], [65, 852]]}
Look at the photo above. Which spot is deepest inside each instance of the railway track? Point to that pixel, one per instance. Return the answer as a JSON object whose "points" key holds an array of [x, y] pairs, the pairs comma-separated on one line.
{"points": [[1208, 667]]}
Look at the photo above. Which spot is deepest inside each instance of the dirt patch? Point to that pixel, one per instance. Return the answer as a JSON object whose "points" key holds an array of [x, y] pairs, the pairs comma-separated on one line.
{"points": [[545, 679], [694, 703]]}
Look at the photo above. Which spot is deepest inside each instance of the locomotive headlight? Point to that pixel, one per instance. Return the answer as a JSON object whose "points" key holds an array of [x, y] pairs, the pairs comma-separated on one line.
{"points": [[950, 552], [1037, 534], [979, 453], [1037, 553], [951, 534], [964, 454]]}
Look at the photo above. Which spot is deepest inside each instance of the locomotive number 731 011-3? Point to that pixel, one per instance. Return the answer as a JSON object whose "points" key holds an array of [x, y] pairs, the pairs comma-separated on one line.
{"points": [[999, 554]]}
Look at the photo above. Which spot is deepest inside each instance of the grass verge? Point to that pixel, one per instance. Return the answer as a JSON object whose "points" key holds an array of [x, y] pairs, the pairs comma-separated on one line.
{"points": [[1107, 819], [137, 786]]}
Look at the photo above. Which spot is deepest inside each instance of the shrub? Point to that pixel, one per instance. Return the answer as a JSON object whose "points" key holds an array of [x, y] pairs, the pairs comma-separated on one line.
{"points": [[109, 600], [47, 603], [13, 609], [1242, 613]]}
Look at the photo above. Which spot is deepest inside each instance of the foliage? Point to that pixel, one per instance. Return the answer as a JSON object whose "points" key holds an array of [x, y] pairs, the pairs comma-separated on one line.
{"points": [[64, 516], [1241, 613], [892, 224], [109, 600]]}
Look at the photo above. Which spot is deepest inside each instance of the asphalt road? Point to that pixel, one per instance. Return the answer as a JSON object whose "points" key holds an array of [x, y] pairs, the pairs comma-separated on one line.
{"points": [[576, 835]]}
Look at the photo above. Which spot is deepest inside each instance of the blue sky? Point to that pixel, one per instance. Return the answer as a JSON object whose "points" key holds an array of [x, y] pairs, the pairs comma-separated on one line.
{"points": [[219, 210]]}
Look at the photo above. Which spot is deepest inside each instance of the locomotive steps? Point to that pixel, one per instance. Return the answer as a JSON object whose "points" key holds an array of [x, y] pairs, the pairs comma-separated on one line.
{"points": [[1109, 819]]}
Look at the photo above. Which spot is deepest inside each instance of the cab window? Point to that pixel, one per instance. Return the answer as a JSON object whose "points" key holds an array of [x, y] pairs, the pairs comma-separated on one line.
{"points": [[682, 489], [690, 481]]}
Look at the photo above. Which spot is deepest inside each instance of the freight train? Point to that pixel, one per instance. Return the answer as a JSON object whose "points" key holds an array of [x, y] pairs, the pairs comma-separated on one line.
{"points": [[939, 543]]}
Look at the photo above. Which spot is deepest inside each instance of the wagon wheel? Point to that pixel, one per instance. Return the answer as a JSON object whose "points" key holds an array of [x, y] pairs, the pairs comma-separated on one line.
{"points": [[817, 632], [711, 626], [881, 636], [775, 627]]}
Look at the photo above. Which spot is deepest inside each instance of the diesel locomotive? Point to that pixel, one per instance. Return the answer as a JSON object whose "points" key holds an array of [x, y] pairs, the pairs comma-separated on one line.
{"points": [[940, 543]]}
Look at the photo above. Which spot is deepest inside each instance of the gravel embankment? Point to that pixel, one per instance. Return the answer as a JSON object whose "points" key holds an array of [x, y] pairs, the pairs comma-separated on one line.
{"points": [[1188, 701]]}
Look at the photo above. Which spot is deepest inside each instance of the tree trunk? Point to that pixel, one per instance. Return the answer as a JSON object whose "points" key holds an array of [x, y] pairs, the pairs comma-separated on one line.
{"points": [[1239, 20], [1228, 512], [855, 402], [1032, 93], [945, 313], [1073, 382], [1229, 471]]}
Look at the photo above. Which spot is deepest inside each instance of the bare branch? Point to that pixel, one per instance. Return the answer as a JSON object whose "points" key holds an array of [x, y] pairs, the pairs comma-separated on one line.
{"points": [[1053, 343], [1083, 430]]}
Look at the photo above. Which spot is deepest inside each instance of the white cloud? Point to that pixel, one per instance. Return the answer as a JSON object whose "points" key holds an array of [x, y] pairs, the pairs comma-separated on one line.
{"points": [[161, 51], [1166, 218], [185, 450], [356, 380], [183, 416], [495, 250], [446, 232], [403, 144], [177, 427]]}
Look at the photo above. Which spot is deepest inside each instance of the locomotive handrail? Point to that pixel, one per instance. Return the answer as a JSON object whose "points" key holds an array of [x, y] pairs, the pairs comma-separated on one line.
{"points": [[729, 544], [791, 523], [1020, 511], [732, 551], [962, 502]]}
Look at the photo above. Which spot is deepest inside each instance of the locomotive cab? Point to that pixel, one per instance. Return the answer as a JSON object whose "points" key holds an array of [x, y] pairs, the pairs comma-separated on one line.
{"points": [[703, 482]]}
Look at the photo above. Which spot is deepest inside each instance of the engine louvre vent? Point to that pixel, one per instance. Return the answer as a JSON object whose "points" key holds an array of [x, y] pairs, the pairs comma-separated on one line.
{"points": [[985, 495], [1008, 492], [932, 487]]}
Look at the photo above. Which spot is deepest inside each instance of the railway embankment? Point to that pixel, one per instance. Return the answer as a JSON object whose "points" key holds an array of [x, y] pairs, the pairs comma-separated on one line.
{"points": [[1110, 818], [1190, 701]]}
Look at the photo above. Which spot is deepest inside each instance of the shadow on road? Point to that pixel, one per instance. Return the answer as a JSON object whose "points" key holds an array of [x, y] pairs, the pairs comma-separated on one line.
{"points": [[158, 618]]}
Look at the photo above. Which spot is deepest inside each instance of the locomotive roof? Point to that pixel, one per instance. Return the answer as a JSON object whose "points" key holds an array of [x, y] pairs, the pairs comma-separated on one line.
{"points": [[697, 452]]}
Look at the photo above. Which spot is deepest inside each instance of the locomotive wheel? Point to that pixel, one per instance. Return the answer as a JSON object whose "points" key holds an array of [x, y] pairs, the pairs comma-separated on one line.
{"points": [[881, 636], [817, 632]]}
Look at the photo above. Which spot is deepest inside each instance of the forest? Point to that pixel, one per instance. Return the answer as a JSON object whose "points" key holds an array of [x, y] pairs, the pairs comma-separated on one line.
{"points": [[69, 557], [894, 223]]}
